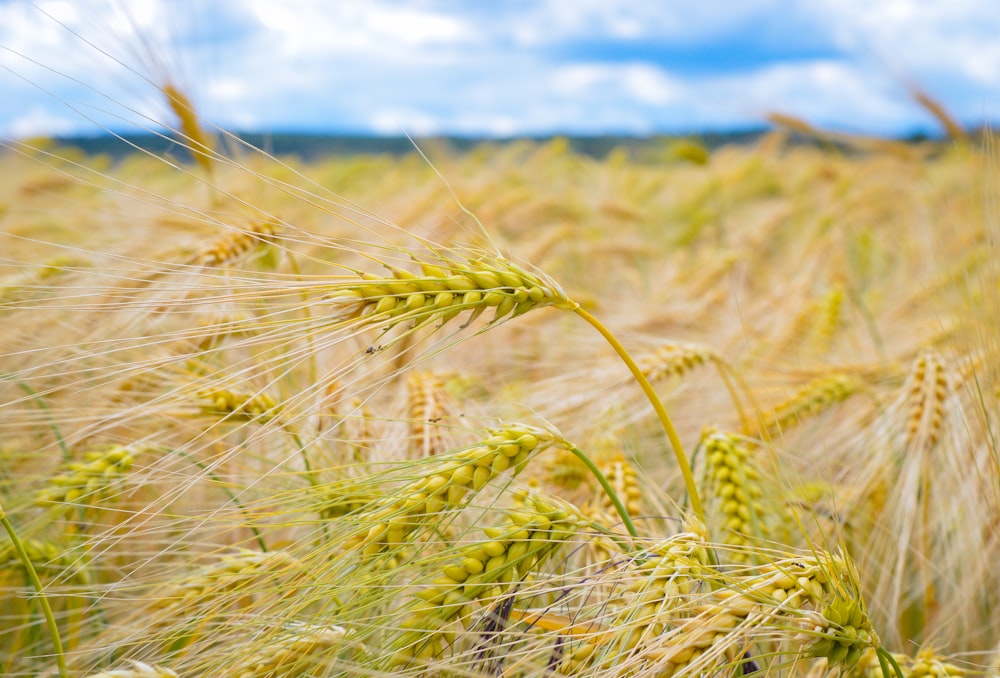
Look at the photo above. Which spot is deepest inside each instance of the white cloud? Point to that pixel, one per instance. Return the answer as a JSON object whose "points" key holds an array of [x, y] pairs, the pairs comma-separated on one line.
{"points": [[679, 23], [399, 121], [503, 68], [914, 37], [39, 122], [825, 92], [642, 83], [650, 85], [373, 28]]}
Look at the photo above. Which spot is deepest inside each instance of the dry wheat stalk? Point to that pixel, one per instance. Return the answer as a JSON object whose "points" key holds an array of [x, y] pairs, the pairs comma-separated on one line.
{"points": [[815, 594], [928, 391], [813, 327], [694, 620], [663, 581], [675, 359], [42, 278], [830, 312]]}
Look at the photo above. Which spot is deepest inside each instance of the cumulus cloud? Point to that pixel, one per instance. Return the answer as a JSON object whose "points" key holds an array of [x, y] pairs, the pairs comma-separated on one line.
{"points": [[507, 68], [38, 121]]}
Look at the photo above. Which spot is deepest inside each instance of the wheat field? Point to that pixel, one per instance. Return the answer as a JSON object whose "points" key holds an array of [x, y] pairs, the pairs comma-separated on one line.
{"points": [[516, 411]]}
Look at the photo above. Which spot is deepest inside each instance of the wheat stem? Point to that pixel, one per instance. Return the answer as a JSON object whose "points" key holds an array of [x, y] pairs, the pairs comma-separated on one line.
{"points": [[44, 406], [885, 660], [661, 412], [232, 496], [50, 620], [608, 489]]}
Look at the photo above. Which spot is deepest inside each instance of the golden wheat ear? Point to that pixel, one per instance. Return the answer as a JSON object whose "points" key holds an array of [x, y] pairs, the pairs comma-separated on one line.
{"points": [[445, 289], [194, 136]]}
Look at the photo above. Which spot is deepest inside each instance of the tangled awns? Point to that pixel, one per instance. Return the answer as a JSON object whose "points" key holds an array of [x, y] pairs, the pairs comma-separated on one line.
{"points": [[671, 411]]}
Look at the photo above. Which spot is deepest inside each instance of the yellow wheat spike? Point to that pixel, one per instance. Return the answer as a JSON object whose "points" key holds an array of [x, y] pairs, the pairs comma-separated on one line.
{"points": [[235, 245], [929, 388], [430, 403], [809, 401], [198, 142]]}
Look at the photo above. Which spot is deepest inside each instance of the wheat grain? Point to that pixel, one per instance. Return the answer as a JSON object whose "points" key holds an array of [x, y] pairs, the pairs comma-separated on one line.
{"points": [[485, 570], [235, 245], [809, 401], [447, 483], [664, 580], [296, 650], [89, 482], [200, 144], [734, 486], [429, 404], [928, 391], [445, 289], [233, 406], [231, 574], [675, 359]]}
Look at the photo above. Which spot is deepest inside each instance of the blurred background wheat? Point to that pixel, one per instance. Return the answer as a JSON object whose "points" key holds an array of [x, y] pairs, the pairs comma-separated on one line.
{"points": [[270, 416]]}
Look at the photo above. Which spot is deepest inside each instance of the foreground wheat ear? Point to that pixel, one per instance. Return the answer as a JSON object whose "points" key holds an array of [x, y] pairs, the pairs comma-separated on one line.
{"points": [[447, 288]]}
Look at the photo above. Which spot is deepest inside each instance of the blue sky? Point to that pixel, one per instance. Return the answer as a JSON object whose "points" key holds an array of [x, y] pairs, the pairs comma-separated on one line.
{"points": [[497, 68]]}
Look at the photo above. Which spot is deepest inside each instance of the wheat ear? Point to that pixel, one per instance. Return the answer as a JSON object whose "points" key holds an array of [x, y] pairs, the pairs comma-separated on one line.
{"points": [[484, 570], [199, 143]]}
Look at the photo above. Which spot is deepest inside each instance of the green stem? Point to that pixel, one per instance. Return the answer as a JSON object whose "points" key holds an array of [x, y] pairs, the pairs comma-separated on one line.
{"points": [[44, 406], [885, 659], [661, 412], [232, 495], [42, 599], [310, 474], [610, 491]]}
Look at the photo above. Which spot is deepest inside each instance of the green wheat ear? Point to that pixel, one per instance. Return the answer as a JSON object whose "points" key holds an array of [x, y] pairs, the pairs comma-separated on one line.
{"points": [[444, 290], [448, 288]]}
